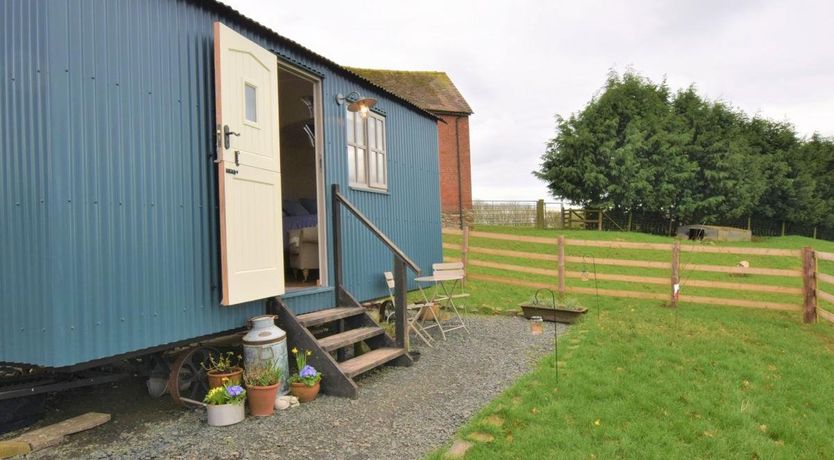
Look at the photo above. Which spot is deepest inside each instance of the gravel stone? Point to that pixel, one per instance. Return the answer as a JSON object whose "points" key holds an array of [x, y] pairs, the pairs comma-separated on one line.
{"points": [[402, 412]]}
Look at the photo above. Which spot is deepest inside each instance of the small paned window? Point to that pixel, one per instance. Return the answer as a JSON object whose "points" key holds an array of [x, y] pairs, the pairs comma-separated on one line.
{"points": [[367, 152], [251, 103]]}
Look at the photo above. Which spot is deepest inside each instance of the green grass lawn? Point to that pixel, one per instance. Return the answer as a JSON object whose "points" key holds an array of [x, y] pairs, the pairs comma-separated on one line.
{"points": [[638, 380]]}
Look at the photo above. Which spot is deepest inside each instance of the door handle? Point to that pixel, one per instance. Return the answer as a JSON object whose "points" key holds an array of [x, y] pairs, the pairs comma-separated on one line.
{"points": [[227, 132]]}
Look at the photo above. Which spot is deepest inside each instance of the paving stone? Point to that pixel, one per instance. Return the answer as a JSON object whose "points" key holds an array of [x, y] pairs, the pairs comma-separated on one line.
{"points": [[494, 420], [458, 449], [481, 437]]}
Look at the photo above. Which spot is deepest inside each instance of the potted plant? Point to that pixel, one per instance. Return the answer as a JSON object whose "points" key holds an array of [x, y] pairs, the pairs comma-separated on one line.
{"points": [[225, 367], [262, 382], [224, 404], [304, 384]]}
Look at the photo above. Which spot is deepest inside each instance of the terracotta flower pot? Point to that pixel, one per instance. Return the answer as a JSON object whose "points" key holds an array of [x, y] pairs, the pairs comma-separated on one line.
{"points": [[262, 399], [303, 392], [430, 313], [215, 379], [225, 414], [434, 312]]}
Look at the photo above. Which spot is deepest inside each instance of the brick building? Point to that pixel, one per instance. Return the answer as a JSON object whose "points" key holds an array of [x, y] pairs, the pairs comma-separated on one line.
{"points": [[435, 92]]}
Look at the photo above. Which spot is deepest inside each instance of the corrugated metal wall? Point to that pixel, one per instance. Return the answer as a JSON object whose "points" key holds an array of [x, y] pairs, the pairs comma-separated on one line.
{"points": [[27, 323], [108, 199]]}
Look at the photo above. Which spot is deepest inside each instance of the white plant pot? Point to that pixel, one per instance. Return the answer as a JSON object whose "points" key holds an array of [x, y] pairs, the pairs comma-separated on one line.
{"points": [[225, 414]]}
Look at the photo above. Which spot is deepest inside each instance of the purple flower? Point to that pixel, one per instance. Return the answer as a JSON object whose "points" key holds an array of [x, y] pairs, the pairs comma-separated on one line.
{"points": [[234, 390], [307, 372]]}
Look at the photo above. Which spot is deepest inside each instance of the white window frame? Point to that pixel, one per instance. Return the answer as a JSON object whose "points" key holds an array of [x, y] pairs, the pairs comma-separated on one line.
{"points": [[370, 153]]}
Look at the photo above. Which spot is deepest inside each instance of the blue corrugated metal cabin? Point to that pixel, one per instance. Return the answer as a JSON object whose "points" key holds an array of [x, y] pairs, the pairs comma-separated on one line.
{"points": [[118, 230]]}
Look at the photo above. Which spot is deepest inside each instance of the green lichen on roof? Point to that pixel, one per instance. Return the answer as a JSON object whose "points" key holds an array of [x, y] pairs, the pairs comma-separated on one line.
{"points": [[429, 90]]}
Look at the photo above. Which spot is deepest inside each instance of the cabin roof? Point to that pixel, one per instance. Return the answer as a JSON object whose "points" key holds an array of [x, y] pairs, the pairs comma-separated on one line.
{"points": [[430, 90]]}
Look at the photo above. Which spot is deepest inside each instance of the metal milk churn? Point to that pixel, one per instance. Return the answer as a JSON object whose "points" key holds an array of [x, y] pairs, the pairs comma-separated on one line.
{"points": [[267, 342]]}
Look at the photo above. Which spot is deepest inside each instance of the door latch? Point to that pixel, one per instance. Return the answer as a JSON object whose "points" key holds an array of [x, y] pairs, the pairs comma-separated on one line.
{"points": [[227, 132], [237, 157]]}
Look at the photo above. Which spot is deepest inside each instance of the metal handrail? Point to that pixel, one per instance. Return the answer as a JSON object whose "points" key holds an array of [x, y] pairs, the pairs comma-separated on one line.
{"points": [[337, 196]]}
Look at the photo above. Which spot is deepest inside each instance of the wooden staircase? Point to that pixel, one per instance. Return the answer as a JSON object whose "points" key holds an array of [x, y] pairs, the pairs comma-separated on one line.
{"points": [[331, 335]]}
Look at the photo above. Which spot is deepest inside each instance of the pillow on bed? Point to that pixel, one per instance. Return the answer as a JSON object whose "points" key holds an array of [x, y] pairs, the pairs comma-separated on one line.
{"points": [[294, 208], [309, 204]]}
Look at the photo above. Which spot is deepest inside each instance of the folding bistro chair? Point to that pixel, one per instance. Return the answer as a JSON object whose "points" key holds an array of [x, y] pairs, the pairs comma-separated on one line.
{"points": [[449, 279], [452, 269], [411, 320]]}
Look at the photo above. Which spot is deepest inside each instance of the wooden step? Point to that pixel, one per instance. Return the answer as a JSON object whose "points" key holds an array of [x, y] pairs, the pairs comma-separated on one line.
{"points": [[370, 360], [325, 316], [336, 341]]}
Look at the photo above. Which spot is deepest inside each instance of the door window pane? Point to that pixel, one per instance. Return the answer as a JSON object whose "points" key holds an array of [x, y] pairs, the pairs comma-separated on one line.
{"points": [[250, 100]]}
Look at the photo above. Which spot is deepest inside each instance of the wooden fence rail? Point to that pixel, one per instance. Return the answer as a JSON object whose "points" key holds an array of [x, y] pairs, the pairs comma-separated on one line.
{"points": [[829, 256], [631, 245], [808, 295], [630, 263], [828, 280], [638, 279]]}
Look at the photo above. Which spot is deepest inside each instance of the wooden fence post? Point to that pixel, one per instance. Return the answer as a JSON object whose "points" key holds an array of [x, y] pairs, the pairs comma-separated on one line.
{"points": [[676, 274], [628, 228], [809, 284], [562, 289], [783, 228], [599, 222], [540, 214], [749, 222], [465, 255]]}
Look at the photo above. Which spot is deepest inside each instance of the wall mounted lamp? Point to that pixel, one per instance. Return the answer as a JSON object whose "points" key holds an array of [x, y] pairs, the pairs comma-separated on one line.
{"points": [[356, 103]]}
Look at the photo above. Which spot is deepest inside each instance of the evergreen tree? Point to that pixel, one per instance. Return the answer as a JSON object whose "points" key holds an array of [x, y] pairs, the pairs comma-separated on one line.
{"points": [[635, 146]]}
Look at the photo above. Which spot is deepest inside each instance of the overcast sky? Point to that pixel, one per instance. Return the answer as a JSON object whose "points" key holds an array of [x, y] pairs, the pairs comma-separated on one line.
{"points": [[519, 63]]}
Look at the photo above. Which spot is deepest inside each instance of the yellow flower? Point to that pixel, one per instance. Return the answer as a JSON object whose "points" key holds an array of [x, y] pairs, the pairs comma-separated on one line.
{"points": [[309, 352], [294, 350]]}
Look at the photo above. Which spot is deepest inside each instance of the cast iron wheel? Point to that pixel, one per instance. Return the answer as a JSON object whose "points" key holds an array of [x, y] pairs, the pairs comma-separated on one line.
{"points": [[10, 372], [188, 379], [385, 309], [20, 412]]}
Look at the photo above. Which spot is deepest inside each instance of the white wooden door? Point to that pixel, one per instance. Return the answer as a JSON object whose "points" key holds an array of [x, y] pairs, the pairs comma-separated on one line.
{"points": [[249, 175]]}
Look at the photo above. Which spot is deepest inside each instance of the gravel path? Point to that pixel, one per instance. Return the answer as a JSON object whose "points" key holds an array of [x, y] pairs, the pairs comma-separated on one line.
{"points": [[401, 412]]}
